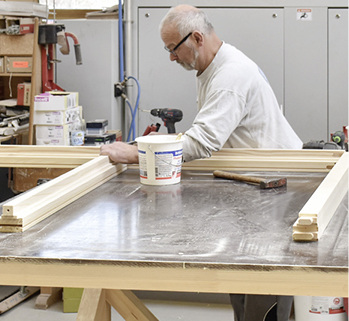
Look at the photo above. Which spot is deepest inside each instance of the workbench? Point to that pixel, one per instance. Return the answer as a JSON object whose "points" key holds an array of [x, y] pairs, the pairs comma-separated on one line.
{"points": [[202, 235]]}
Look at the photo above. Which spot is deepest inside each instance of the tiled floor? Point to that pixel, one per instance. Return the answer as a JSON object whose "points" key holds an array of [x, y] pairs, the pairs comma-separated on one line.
{"points": [[164, 310]]}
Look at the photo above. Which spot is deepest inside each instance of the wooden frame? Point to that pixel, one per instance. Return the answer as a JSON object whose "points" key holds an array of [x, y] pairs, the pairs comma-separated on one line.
{"points": [[268, 160], [99, 296], [26, 210], [312, 221]]}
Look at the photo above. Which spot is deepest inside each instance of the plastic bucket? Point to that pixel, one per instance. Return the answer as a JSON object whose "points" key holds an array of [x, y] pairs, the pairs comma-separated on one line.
{"points": [[316, 308], [160, 159]]}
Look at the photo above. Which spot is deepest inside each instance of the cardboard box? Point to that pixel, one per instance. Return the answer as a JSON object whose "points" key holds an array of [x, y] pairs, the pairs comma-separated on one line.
{"points": [[26, 25], [53, 141], [56, 101], [17, 45], [59, 117], [52, 135], [52, 131], [23, 94], [97, 127], [117, 132], [19, 64], [97, 140]]}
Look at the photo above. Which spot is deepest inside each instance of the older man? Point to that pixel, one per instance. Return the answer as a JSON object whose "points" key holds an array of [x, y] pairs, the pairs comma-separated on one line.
{"points": [[237, 108]]}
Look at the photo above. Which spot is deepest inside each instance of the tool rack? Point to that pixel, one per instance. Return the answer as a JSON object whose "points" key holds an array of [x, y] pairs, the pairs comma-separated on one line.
{"points": [[25, 46]]}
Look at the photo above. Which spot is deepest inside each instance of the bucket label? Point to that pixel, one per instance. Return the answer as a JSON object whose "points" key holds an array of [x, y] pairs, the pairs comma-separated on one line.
{"points": [[168, 164], [326, 305], [142, 164]]}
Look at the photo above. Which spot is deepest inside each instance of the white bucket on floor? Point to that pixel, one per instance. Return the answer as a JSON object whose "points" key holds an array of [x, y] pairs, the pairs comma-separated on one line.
{"points": [[317, 308], [160, 159]]}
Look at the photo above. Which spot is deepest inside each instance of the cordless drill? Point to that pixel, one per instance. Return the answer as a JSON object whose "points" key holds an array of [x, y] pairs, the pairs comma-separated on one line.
{"points": [[339, 138], [169, 116]]}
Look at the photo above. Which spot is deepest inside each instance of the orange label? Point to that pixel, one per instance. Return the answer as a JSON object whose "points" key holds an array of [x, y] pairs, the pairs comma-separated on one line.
{"points": [[20, 64]]}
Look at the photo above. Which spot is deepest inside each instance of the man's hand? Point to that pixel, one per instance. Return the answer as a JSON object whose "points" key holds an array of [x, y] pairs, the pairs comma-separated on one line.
{"points": [[120, 152]]}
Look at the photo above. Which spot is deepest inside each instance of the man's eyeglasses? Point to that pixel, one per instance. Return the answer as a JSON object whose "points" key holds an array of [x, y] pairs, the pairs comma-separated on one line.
{"points": [[177, 46]]}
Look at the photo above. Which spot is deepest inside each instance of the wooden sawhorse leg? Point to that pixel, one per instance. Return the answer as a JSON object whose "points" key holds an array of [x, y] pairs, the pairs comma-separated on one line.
{"points": [[96, 306], [47, 297]]}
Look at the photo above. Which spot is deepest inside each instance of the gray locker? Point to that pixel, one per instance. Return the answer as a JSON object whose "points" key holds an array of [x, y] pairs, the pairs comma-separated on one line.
{"points": [[338, 69], [306, 73]]}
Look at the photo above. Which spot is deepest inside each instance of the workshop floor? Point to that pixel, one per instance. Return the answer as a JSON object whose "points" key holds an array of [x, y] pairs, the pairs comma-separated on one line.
{"points": [[163, 310]]}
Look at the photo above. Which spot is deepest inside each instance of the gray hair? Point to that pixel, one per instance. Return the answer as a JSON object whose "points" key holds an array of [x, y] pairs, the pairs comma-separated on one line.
{"points": [[187, 21]]}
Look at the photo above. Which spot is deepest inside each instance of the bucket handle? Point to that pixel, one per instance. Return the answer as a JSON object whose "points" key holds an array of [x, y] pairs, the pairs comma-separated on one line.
{"points": [[156, 156]]}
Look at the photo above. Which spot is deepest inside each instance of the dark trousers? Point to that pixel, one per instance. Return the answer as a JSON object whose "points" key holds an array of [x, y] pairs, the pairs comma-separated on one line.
{"points": [[261, 307]]}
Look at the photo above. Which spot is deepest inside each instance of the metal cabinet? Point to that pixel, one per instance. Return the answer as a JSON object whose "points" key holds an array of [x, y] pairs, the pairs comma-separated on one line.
{"points": [[257, 32], [338, 69], [305, 60], [316, 72], [306, 73]]}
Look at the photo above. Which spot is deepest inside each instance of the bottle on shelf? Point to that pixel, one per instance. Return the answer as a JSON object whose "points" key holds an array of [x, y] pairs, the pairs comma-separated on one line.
{"points": [[78, 132]]}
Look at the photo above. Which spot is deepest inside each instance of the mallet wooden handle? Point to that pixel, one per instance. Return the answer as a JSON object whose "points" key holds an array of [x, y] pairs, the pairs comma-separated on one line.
{"points": [[238, 177], [263, 182]]}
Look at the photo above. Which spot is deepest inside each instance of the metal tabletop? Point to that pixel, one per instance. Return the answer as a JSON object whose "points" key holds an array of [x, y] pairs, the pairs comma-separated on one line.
{"points": [[202, 222]]}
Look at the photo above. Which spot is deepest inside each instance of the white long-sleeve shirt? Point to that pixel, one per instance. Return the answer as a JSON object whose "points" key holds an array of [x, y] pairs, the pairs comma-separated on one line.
{"points": [[237, 108]]}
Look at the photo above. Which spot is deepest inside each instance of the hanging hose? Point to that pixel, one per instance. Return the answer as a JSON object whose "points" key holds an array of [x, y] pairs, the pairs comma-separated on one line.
{"points": [[77, 49], [134, 110]]}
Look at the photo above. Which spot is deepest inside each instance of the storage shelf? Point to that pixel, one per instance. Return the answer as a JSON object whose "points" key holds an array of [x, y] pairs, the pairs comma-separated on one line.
{"points": [[22, 46]]}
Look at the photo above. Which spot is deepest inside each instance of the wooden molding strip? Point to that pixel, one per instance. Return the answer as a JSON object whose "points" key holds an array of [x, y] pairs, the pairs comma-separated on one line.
{"points": [[18, 149], [258, 165], [226, 159], [320, 208], [27, 209], [38, 161], [268, 160], [283, 153], [53, 161], [33, 156]]}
